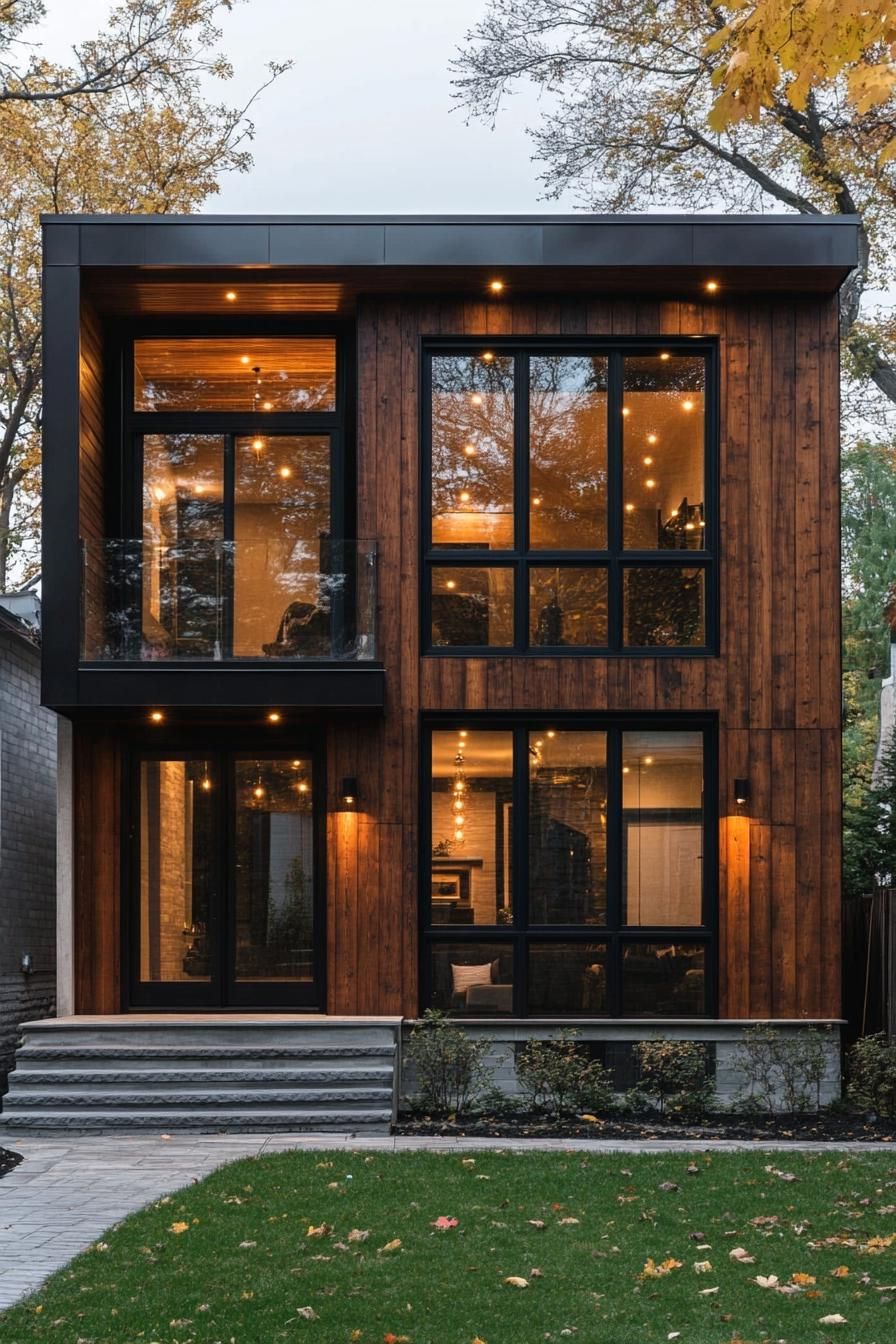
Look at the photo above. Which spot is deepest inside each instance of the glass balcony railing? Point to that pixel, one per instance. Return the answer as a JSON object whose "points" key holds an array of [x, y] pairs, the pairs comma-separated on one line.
{"points": [[225, 601]]}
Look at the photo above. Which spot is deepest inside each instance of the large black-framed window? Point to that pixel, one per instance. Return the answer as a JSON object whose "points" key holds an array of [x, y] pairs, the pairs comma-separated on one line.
{"points": [[570, 497], [569, 865], [233, 496]]}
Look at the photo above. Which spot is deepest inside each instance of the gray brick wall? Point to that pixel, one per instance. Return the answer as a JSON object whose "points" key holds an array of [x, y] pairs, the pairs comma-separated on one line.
{"points": [[27, 842]]}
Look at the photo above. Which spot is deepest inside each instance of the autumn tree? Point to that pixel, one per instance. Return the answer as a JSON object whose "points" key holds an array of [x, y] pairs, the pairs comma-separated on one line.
{"points": [[686, 103], [126, 129]]}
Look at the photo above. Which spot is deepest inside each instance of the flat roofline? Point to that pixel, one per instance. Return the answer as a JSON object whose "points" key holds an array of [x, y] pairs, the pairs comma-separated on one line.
{"points": [[790, 249], [760, 221]]}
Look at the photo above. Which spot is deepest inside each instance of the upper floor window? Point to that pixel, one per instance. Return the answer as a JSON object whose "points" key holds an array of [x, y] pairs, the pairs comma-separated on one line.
{"points": [[235, 374], [571, 499]]}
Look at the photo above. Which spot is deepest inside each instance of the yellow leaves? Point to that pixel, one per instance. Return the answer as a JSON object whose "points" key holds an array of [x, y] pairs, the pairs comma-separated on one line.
{"points": [[652, 1270], [178, 1228], [841, 1272], [323, 1230], [772, 50], [390, 1246], [802, 1280]]}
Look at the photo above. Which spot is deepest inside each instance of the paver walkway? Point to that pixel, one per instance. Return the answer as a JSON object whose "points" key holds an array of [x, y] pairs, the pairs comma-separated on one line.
{"points": [[68, 1190]]}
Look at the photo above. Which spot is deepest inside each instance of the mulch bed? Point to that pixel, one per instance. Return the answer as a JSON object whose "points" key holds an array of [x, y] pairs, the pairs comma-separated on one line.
{"points": [[830, 1127], [8, 1160]]}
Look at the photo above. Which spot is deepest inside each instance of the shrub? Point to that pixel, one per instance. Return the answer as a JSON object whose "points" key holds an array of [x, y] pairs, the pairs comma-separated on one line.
{"points": [[559, 1079], [871, 1064], [784, 1073], [450, 1067], [673, 1077]]}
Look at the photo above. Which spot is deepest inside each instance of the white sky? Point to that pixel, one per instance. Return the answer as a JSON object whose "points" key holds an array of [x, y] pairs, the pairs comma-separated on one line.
{"points": [[363, 121]]}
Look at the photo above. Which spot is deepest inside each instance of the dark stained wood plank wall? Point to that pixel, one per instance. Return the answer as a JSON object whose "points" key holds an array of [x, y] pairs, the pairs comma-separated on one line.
{"points": [[774, 687]]}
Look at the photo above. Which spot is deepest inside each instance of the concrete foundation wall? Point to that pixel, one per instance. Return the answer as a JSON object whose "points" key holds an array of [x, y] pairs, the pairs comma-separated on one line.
{"points": [[721, 1037]]}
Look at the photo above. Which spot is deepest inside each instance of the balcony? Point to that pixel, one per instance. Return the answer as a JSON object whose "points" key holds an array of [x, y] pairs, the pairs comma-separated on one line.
{"points": [[224, 601], [212, 608]]}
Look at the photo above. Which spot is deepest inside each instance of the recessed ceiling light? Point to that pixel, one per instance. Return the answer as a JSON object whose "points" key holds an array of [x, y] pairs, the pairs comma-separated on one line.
{"points": [[274, 717], [230, 296], [286, 472], [496, 286], [157, 716], [712, 286], [244, 359]]}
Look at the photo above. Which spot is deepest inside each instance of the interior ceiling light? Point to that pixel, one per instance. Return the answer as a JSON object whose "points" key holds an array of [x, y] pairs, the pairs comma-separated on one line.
{"points": [[230, 296], [274, 716], [712, 286], [157, 716], [496, 286]]}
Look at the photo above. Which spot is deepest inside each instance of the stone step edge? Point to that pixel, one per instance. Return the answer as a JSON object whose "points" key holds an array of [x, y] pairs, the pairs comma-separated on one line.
{"points": [[73, 1051], [198, 1097], [47, 1078], [309, 1121]]}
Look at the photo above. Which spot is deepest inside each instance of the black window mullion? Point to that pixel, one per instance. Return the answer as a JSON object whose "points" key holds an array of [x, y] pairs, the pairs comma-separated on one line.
{"points": [[614, 866], [522, 491], [614, 498], [229, 557], [520, 851]]}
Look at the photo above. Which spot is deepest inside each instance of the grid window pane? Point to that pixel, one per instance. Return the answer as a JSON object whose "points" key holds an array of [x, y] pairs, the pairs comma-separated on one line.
{"points": [[567, 827], [664, 607], [567, 607], [472, 979], [567, 978], [662, 820], [568, 452], [664, 980], [471, 865], [663, 412], [472, 606], [472, 450]]}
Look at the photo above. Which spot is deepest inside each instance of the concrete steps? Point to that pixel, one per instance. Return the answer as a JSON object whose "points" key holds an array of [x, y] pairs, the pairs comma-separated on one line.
{"points": [[170, 1072]]}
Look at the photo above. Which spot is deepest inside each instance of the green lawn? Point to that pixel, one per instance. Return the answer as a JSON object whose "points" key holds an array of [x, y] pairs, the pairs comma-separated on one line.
{"points": [[351, 1237]]}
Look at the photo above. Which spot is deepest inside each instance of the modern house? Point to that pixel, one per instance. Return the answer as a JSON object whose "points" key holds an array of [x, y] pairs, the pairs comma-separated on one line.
{"points": [[27, 828], [439, 612]]}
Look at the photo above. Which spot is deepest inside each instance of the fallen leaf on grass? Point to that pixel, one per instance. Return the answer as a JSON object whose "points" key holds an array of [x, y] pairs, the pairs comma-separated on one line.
{"points": [[836, 1319], [357, 1234], [702, 1267], [307, 1313], [536, 1273], [243, 1246], [323, 1230], [514, 1281], [537, 1223], [708, 1292], [669, 1187], [395, 1339], [652, 1270], [802, 1279], [567, 1222], [841, 1272], [393, 1245], [443, 1223], [766, 1280], [781, 1175], [742, 1256], [177, 1228]]}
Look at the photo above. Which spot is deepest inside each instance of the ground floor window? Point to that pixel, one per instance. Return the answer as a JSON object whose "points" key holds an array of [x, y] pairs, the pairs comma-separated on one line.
{"points": [[570, 867]]}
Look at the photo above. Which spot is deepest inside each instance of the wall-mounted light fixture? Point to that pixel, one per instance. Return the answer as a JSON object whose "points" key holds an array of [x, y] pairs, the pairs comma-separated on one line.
{"points": [[349, 793], [26, 964], [741, 791]]}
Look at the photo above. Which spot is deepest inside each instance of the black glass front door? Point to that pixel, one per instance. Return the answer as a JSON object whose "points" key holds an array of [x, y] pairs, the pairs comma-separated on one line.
{"points": [[223, 863]]}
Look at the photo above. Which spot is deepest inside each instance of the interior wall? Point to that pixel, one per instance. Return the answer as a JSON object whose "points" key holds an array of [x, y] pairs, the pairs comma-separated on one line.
{"points": [[91, 489]]}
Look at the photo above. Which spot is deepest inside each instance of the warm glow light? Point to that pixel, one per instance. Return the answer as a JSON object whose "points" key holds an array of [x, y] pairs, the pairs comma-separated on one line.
{"points": [[665, 355], [625, 769], [551, 732], [648, 760], [159, 493], [462, 732], [539, 741], [464, 496], [303, 787], [267, 405], [476, 399], [689, 527], [626, 411], [648, 461], [449, 583], [687, 405], [157, 716], [230, 296], [674, 513], [650, 483], [488, 356], [459, 835], [258, 791], [286, 472], [200, 489], [712, 286], [258, 444], [470, 450], [244, 359], [205, 784], [496, 286], [274, 717], [652, 438], [629, 508], [536, 500]]}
